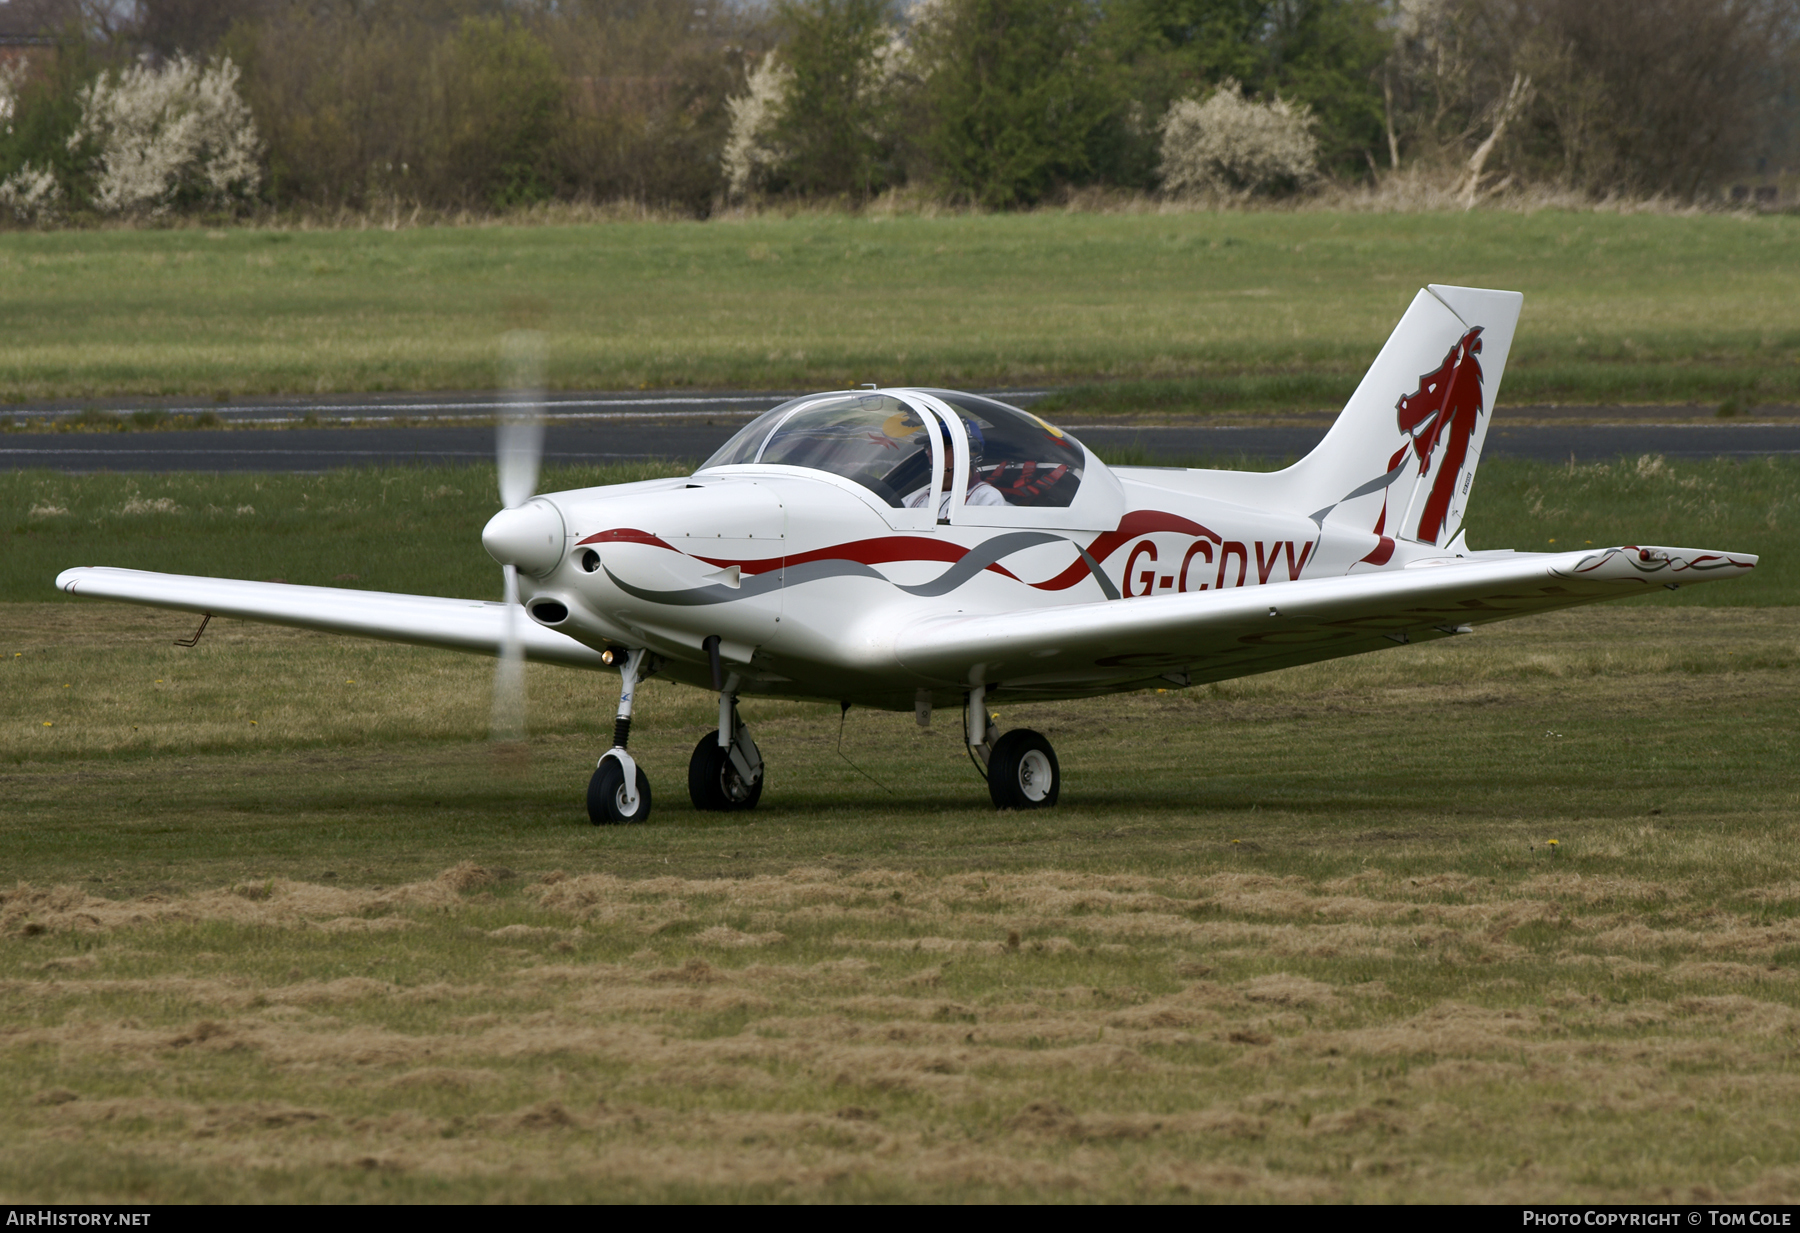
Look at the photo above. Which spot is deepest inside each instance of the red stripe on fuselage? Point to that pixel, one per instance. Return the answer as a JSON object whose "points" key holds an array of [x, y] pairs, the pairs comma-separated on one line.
{"points": [[865, 551], [1137, 522], [625, 535]]}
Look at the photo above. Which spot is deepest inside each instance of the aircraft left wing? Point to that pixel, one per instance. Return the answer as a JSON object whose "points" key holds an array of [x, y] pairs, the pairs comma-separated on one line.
{"points": [[424, 620], [1214, 635]]}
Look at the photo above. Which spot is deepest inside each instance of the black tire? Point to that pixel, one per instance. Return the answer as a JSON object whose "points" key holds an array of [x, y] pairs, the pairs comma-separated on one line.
{"points": [[605, 789], [1023, 772], [714, 783]]}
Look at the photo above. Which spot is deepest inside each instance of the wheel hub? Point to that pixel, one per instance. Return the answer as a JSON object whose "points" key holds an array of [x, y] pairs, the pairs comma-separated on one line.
{"points": [[1034, 776]]}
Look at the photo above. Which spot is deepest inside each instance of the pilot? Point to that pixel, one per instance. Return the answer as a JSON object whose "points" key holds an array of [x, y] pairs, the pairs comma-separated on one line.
{"points": [[980, 491]]}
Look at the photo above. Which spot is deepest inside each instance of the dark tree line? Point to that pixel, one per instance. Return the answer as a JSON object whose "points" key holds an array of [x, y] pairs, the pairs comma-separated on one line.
{"points": [[489, 105]]}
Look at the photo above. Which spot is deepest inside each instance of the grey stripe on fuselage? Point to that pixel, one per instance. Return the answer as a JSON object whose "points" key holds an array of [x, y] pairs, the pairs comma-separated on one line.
{"points": [[978, 559], [1374, 485]]}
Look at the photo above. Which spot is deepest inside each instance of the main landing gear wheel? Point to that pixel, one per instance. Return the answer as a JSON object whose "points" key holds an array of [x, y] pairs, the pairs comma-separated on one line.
{"points": [[606, 796], [1023, 772], [714, 782]]}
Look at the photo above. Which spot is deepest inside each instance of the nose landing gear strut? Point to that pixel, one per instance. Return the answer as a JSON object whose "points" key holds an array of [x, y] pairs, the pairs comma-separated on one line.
{"points": [[620, 791]]}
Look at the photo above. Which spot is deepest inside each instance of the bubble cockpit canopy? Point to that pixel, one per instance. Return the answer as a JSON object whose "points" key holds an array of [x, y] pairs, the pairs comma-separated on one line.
{"points": [[882, 442]]}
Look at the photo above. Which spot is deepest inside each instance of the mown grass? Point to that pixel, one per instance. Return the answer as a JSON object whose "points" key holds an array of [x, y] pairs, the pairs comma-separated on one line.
{"points": [[1302, 936], [1226, 310], [418, 530]]}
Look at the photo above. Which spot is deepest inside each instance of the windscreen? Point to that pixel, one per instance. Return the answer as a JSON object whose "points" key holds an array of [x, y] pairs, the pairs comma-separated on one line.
{"points": [[746, 443]]}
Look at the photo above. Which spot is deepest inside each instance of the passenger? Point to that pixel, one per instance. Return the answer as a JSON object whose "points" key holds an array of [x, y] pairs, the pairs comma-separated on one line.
{"points": [[980, 491]]}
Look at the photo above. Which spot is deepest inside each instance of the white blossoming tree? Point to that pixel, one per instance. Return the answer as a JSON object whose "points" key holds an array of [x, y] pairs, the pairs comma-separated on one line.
{"points": [[11, 74], [29, 193], [1230, 145], [163, 138], [751, 154]]}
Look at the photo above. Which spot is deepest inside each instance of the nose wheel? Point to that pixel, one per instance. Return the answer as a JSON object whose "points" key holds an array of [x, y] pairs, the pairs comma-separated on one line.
{"points": [[1023, 772], [608, 803]]}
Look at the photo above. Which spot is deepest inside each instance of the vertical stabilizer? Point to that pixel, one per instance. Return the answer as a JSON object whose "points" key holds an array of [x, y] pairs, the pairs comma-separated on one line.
{"points": [[1400, 460]]}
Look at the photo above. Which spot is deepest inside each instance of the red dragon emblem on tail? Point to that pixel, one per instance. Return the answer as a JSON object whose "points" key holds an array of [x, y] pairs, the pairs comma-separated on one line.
{"points": [[1444, 410]]}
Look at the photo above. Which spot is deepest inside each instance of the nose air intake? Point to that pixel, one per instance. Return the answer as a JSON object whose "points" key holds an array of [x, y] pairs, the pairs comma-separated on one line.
{"points": [[530, 536]]}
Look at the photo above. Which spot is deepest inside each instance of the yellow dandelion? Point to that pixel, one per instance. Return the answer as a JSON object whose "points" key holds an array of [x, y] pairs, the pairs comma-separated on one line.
{"points": [[49, 723]]}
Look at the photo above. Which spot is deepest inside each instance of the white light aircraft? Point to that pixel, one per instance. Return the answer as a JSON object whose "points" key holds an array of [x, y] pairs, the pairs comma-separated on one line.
{"points": [[909, 549]]}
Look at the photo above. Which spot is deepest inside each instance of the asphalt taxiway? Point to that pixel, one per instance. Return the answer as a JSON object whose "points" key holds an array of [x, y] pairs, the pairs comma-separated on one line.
{"points": [[291, 434]]}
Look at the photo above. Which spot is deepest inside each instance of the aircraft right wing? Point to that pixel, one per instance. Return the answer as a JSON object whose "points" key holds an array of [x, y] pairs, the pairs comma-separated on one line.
{"points": [[422, 620], [1215, 635]]}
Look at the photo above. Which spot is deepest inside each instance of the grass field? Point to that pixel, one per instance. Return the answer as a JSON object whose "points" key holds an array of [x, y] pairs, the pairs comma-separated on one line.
{"points": [[1506, 918], [1272, 945], [1213, 311]]}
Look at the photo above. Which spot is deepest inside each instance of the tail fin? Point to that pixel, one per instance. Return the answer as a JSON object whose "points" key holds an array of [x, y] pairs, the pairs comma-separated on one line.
{"points": [[1401, 458]]}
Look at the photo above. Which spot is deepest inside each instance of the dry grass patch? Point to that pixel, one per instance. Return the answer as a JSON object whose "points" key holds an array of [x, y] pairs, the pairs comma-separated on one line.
{"points": [[946, 1055]]}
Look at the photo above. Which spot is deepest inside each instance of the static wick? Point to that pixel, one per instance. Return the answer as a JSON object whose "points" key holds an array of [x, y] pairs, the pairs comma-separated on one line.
{"points": [[193, 640], [843, 711]]}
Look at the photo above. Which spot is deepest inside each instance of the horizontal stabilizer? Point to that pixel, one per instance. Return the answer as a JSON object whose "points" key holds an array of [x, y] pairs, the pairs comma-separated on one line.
{"points": [[472, 625]]}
